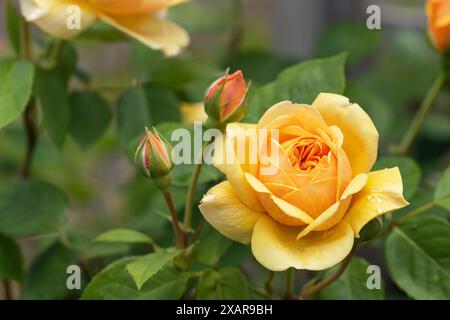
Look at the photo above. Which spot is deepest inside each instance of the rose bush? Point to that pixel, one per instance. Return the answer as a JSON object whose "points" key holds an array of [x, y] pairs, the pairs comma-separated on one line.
{"points": [[307, 213], [141, 19]]}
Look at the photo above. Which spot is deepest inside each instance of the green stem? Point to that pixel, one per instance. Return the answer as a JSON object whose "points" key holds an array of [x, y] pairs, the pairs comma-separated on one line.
{"points": [[421, 114], [175, 223], [416, 211], [290, 278], [188, 208], [311, 290], [268, 284]]}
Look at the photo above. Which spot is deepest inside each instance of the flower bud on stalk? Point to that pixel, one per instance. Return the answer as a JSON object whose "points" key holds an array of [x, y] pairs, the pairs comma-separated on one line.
{"points": [[226, 100], [153, 158]]}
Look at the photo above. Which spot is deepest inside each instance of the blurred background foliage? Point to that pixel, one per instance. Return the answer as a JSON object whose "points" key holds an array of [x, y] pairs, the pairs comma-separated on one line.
{"points": [[106, 88]]}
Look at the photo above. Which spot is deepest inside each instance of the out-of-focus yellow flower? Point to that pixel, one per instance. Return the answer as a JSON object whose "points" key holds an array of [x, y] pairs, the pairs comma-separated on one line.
{"points": [[141, 19], [191, 112], [307, 212], [438, 12]]}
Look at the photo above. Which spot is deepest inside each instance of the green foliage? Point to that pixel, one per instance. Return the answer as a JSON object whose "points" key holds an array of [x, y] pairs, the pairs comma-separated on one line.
{"points": [[31, 207], [418, 258], [356, 39], [89, 117], [300, 84], [225, 284], [10, 259], [442, 193], [115, 283], [13, 26], [53, 99], [352, 284], [144, 268], [211, 247], [46, 278], [16, 80], [124, 236]]}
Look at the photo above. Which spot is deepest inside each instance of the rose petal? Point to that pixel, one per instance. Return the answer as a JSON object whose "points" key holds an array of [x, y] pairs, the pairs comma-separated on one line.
{"points": [[276, 246], [280, 210], [228, 162], [360, 135], [225, 212], [53, 16], [121, 7], [151, 30], [382, 193]]}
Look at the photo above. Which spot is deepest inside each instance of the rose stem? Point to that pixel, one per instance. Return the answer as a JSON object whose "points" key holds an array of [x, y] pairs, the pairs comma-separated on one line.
{"points": [[290, 279], [309, 291], [268, 284], [29, 114], [175, 222], [421, 114], [191, 193]]}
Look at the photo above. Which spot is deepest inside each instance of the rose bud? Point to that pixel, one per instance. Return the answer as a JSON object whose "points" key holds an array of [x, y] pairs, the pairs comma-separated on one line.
{"points": [[153, 158], [438, 12], [226, 99]]}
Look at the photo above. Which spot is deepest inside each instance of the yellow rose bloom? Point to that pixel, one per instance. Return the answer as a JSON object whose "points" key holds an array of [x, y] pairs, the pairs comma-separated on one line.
{"points": [[438, 12], [141, 19], [306, 213]]}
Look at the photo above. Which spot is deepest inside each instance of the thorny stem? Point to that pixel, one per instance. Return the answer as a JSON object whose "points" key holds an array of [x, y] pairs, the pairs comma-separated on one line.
{"points": [[421, 114], [175, 222], [311, 290]]}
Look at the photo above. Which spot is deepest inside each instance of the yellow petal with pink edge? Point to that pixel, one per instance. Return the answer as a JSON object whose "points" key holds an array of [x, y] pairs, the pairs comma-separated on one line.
{"points": [[276, 246], [278, 209], [152, 30], [382, 193], [224, 211], [360, 135]]}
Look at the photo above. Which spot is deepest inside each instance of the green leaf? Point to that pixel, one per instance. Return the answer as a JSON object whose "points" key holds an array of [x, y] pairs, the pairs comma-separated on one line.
{"points": [[115, 283], [132, 115], [16, 81], [352, 284], [13, 26], [418, 257], [211, 247], [10, 259], [355, 38], [47, 276], [226, 284], [409, 170], [163, 104], [124, 236], [31, 208], [142, 269], [89, 117], [442, 192], [182, 173], [300, 84], [52, 94]]}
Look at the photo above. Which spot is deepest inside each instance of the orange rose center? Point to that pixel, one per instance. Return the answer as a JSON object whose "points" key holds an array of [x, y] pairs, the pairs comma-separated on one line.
{"points": [[307, 153]]}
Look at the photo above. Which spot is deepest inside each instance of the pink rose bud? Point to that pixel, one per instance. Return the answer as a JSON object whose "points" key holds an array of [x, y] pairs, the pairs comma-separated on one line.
{"points": [[153, 158], [226, 99]]}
